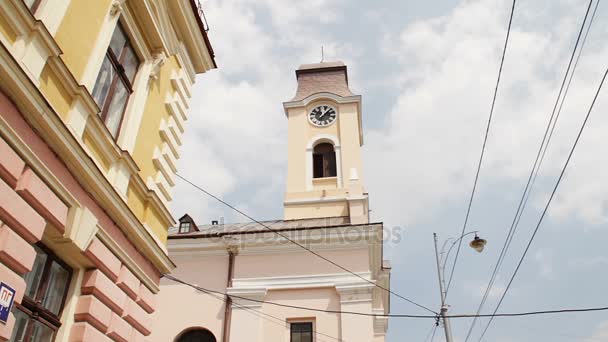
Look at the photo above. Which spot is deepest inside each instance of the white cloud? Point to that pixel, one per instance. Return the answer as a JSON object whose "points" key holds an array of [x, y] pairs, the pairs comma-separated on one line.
{"points": [[435, 129]]}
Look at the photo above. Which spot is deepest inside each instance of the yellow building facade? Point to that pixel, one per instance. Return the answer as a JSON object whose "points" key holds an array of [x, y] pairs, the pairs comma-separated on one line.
{"points": [[94, 99]]}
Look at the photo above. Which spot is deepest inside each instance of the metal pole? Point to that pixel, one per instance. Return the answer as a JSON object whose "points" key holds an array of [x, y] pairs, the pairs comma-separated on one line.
{"points": [[444, 306]]}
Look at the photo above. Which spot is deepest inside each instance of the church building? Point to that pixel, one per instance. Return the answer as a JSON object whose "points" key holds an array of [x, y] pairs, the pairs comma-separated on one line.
{"points": [[295, 279]]}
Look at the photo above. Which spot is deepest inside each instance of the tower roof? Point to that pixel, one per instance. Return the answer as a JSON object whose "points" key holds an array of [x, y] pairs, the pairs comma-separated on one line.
{"points": [[330, 77]]}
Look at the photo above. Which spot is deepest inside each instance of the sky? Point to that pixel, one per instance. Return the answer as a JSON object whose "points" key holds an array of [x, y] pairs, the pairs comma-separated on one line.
{"points": [[426, 71]]}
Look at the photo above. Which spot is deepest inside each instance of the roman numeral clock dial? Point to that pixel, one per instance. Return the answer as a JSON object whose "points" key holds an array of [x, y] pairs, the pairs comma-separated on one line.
{"points": [[322, 115]]}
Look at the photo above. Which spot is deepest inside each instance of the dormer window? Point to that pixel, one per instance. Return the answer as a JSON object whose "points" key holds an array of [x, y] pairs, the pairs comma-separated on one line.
{"points": [[324, 161], [184, 227]]}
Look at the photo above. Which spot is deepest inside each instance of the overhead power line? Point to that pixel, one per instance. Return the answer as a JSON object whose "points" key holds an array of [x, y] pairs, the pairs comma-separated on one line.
{"points": [[516, 314], [547, 205], [483, 149], [537, 162], [302, 246], [258, 313], [431, 334]]}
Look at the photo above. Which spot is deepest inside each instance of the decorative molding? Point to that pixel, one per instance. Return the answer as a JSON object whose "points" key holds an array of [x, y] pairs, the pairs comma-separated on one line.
{"points": [[342, 280], [163, 166], [321, 96], [51, 13], [168, 137], [240, 303], [117, 7], [158, 61], [189, 32], [102, 41], [348, 237], [81, 228], [356, 293], [380, 322], [32, 103], [180, 86], [310, 200], [128, 261]]}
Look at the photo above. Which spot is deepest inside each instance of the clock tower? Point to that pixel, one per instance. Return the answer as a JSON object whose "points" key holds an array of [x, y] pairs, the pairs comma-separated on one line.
{"points": [[324, 147]]}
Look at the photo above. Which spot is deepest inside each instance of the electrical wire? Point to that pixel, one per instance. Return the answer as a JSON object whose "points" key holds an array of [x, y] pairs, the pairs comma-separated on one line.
{"points": [[431, 334], [537, 162], [300, 245], [261, 314], [547, 205], [434, 331], [483, 148], [515, 314]]}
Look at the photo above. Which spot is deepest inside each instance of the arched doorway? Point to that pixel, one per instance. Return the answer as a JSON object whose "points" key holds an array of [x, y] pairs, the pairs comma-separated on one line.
{"points": [[196, 335]]}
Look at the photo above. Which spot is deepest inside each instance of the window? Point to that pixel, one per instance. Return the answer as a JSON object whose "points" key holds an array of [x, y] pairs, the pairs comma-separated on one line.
{"points": [[114, 83], [32, 5], [324, 161], [301, 332], [197, 335], [37, 317], [184, 227]]}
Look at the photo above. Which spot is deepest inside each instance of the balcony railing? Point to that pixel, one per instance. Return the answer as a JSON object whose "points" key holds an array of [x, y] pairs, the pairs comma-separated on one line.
{"points": [[201, 14]]}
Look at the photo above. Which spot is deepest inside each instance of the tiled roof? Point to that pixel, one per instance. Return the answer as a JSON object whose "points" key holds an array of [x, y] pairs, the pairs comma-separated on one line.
{"points": [[330, 77], [239, 228]]}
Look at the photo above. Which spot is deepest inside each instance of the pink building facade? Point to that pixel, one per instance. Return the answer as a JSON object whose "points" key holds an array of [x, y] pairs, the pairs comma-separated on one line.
{"points": [[55, 252], [248, 282], [93, 99]]}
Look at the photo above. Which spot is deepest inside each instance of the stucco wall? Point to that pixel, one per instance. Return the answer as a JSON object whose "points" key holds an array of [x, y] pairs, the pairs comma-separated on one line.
{"points": [[181, 307], [300, 263]]}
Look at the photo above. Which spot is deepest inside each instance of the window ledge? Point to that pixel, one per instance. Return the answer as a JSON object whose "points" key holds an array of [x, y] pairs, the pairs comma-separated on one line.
{"points": [[325, 182]]}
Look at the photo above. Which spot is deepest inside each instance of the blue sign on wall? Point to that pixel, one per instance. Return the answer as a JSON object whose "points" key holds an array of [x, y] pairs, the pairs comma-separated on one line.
{"points": [[7, 296]]}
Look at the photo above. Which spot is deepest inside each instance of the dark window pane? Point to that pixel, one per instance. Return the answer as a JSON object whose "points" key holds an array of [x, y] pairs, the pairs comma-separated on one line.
{"points": [[197, 336], [104, 81], [317, 161], [324, 161], [306, 337], [116, 108], [32, 279], [301, 332], [21, 320], [324, 148], [57, 287], [118, 41], [41, 333], [329, 163], [130, 63]]}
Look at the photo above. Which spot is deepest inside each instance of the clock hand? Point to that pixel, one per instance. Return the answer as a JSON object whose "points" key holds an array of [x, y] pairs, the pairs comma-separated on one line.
{"points": [[324, 113]]}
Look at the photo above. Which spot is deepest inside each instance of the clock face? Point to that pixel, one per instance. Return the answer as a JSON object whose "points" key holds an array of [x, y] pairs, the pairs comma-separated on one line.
{"points": [[322, 115]]}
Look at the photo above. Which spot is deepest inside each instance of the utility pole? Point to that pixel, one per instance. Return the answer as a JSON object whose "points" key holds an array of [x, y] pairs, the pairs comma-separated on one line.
{"points": [[444, 306]]}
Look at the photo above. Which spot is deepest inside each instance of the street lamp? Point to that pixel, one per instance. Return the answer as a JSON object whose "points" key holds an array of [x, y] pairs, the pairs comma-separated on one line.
{"points": [[477, 244]]}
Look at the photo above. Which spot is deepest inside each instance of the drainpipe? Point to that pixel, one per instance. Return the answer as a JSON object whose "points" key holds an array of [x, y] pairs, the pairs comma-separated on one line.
{"points": [[228, 305]]}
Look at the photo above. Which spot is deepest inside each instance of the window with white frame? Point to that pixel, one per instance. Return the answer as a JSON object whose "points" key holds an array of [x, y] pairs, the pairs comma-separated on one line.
{"points": [[114, 83], [184, 227], [324, 161]]}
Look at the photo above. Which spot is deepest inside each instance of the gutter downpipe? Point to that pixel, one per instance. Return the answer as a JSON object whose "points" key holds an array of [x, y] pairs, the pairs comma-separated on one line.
{"points": [[228, 305]]}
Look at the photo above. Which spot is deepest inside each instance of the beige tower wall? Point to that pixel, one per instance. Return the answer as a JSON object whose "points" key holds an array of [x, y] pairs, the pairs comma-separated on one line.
{"points": [[305, 196]]}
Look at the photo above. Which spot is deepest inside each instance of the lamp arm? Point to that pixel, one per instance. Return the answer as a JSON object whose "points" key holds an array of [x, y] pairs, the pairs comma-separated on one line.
{"points": [[452, 246]]}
